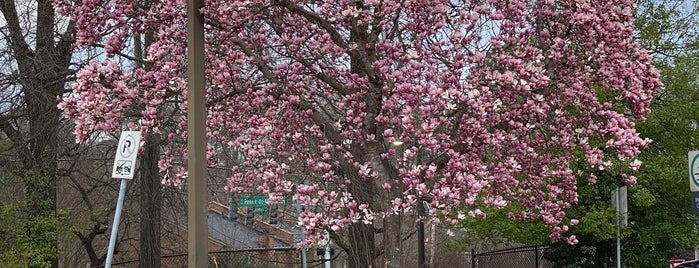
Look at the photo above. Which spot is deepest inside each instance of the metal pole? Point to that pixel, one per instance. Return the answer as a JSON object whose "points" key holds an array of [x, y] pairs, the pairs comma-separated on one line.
{"points": [[327, 255], [432, 246], [421, 245], [115, 225], [420, 241], [618, 228], [536, 256], [197, 233], [304, 262]]}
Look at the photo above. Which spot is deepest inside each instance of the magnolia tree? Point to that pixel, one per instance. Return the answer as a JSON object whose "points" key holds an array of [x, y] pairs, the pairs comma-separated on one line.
{"points": [[363, 110]]}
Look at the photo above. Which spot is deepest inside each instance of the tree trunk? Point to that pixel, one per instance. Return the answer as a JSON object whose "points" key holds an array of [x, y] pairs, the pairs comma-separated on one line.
{"points": [[151, 201], [40, 164], [392, 242], [361, 242], [151, 192], [361, 237], [42, 69], [43, 72]]}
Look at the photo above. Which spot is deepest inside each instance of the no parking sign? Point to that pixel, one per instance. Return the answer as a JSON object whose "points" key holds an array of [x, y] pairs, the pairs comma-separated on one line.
{"points": [[693, 159], [126, 152]]}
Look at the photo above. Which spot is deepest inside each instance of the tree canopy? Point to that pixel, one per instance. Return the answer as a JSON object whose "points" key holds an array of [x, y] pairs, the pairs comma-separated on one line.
{"points": [[662, 226], [360, 110]]}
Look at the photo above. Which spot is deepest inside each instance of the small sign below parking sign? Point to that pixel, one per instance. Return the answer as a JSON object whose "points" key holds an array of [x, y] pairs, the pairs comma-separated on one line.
{"points": [[695, 202]]}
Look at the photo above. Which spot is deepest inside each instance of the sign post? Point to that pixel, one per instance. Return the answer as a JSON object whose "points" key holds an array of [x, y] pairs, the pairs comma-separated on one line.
{"points": [[619, 201], [124, 169]]}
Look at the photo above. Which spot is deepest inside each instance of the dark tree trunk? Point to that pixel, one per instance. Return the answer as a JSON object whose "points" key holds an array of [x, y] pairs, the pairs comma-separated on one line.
{"points": [[41, 76], [151, 201], [151, 192], [361, 242], [392, 242], [40, 164]]}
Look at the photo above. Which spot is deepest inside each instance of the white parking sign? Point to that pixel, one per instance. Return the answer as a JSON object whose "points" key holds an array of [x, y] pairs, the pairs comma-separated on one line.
{"points": [[126, 153]]}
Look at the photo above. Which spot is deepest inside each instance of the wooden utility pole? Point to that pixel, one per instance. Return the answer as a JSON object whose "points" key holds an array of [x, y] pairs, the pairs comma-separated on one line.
{"points": [[197, 233]]}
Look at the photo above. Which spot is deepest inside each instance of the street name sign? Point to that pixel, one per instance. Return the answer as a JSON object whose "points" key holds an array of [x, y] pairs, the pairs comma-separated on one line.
{"points": [[257, 201]]}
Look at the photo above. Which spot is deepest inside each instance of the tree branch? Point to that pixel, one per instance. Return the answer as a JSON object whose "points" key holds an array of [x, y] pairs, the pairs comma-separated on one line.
{"points": [[317, 20], [17, 43]]}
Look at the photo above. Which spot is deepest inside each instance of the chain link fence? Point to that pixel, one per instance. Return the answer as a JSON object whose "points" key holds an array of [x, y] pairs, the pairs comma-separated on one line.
{"points": [[519, 257], [252, 258]]}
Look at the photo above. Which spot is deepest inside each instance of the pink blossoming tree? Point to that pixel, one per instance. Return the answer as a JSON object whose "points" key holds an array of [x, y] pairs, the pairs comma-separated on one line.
{"points": [[361, 110]]}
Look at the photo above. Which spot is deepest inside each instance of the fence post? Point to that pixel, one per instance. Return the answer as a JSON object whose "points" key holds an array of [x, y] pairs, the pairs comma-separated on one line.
{"points": [[536, 256], [473, 258]]}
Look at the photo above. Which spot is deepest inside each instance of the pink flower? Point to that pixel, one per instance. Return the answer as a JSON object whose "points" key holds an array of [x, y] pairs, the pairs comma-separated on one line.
{"points": [[305, 104]]}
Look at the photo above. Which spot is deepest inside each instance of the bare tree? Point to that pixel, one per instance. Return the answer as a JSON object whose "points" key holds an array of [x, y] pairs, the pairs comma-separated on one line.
{"points": [[40, 51]]}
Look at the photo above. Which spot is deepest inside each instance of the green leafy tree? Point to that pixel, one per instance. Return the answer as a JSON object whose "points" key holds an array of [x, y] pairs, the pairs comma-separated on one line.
{"points": [[35, 60], [27, 239], [661, 224]]}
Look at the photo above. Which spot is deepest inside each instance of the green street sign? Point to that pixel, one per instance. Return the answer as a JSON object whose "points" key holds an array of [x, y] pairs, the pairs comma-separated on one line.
{"points": [[258, 201]]}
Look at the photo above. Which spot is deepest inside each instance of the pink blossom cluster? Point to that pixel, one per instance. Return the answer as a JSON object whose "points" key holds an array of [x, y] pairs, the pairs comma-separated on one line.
{"points": [[361, 109]]}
